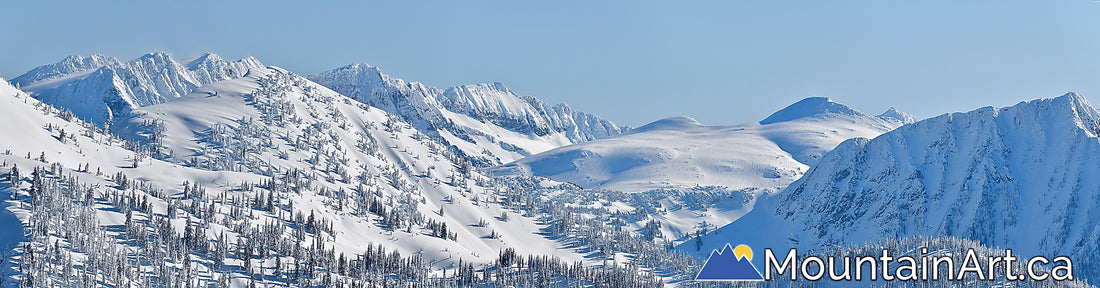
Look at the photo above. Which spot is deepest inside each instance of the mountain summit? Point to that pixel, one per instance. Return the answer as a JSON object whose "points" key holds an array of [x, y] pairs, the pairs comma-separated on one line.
{"points": [[810, 107], [679, 122], [72, 65], [893, 114], [100, 89]]}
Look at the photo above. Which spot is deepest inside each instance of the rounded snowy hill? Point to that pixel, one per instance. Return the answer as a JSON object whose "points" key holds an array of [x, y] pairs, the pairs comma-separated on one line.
{"points": [[680, 152]]}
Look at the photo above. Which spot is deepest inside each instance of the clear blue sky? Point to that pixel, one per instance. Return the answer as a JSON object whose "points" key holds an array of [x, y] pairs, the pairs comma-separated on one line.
{"points": [[722, 62]]}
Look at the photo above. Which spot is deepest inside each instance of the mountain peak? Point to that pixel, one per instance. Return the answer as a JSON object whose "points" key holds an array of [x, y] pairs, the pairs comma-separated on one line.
{"points": [[670, 123], [99, 80], [73, 59], [809, 107], [210, 58], [1074, 99], [159, 55], [250, 59], [155, 59], [362, 70], [360, 66], [495, 86], [1074, 103], [206, 57], [80, 58], [72, 64], [893, 114]]}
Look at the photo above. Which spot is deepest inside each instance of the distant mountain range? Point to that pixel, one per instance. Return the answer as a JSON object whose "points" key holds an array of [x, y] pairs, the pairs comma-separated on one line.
{"points": [[487, 122]]}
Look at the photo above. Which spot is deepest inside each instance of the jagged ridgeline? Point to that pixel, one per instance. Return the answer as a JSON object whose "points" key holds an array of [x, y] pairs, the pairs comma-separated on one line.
{"points": [[101, 89], [488, 123]]}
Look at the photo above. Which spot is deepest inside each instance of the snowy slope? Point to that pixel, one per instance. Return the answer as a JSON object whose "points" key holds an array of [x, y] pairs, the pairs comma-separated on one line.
{"points": [[680, 152], [99, 88], [196, 161], [1020, 177], [370, 179], [488, 122], [31, 127], [41, 136], [283, 122]]}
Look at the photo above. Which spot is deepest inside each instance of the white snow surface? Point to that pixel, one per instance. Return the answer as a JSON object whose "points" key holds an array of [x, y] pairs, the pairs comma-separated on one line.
{"points": [[680, 152], [230, 103], [680, 161], [420, 165]]}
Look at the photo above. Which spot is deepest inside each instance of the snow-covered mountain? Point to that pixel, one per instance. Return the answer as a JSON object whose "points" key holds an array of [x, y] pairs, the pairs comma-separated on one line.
{"points": [[1021, 177], [272, 179], [272, 121], [71, 66], [100, 89], [488, 122], [231, 174], [680, 152], [713, 171]]}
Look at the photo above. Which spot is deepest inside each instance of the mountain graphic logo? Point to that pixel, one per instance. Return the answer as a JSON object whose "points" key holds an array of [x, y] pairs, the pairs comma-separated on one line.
{"points": [[730, 264]]}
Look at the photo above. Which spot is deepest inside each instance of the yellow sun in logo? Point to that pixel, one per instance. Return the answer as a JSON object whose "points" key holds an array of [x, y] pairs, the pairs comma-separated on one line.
{"points": [[743, 251]]}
